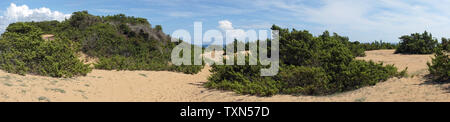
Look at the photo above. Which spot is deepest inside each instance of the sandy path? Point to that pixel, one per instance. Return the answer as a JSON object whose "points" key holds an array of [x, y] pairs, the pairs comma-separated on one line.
{"points": [[101, 85]]}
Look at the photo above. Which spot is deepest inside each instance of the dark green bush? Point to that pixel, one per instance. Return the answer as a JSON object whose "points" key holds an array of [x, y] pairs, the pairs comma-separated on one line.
{"points": [[309, 65], [122, 18], [440, 66], [304, 80], [377, 45], [242, 79], [24, 51], [445, 44], [120, 42], [417, 43]]}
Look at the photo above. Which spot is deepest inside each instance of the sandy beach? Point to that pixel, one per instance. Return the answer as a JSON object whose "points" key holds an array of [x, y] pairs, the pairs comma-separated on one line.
{"points": [[159, 86]]}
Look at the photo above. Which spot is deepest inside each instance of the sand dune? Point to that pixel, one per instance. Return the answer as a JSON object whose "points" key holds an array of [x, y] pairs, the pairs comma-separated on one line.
{"points": [[101, 85]]}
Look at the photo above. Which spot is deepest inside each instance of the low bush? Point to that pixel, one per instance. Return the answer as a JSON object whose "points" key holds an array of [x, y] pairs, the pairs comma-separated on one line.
{"points": [[24, 51], [304, 80], [309, 65], [244, 79]]}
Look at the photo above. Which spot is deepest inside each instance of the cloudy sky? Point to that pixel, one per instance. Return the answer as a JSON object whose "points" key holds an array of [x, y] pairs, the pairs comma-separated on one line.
{"points": [[360, 20]]}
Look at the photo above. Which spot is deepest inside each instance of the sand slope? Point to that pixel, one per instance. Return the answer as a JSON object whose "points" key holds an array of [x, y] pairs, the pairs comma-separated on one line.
{"points": [[101, 85]]}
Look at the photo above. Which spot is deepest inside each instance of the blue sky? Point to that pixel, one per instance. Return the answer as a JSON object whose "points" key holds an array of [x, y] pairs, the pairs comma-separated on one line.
{"points": [[360, 20]]}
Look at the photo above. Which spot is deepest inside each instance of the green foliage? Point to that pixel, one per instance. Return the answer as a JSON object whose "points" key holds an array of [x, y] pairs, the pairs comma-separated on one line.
{"points": [[377, 45], [244, 79], [122, 18], [83, 19], [417, 43], [158, 27], [309, 65], [304, 80], [120, 42], [24, 51], [440, 66], [445, 44]]}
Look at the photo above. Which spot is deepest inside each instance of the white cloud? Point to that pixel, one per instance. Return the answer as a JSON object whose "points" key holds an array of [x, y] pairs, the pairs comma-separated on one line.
{"points": [[225, 25], [242, 35], [23, 13], [229, 31], [368, 20]]}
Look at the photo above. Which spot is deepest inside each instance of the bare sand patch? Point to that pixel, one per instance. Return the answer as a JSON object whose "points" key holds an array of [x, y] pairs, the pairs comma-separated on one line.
{"points": [[155, 86]]}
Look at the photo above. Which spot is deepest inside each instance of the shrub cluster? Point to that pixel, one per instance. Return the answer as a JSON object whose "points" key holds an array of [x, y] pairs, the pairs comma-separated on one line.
{"points": [[417, 43], [24, 51], [445, 44], [309, 65], [377, 45], [127, 43], [120, 42]]}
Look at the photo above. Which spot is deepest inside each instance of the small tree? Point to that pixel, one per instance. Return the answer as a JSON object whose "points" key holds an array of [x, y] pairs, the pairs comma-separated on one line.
{"points": [[440, 67], [417, 44], [158, 27], [445, 45]]}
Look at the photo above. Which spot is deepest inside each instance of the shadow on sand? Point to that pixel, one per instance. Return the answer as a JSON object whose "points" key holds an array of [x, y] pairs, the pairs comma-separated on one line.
{"points": [[430, 81]]}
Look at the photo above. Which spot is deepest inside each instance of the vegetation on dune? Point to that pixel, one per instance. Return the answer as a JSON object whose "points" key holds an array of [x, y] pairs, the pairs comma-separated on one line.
{"points": [[24, 51], [308, 65], [439, 67], [445, 44], [377, 45], [417, 43], [120, 42]]}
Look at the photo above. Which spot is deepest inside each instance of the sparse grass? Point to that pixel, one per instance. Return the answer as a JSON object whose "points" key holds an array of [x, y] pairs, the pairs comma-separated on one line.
{"points": [[42, 98], [56, 90], [53, 82], [362, 99], [7, 84], [84, 97], [142, 74], [7, 77], [23, 85], [81, 91], [96, 76]]}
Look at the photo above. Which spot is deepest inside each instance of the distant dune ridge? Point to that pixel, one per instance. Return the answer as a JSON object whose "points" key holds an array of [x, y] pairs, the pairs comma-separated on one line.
{"points": [[158, 86]]}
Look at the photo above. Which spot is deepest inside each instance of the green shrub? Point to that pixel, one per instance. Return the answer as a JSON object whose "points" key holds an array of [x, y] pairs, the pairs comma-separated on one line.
{"points": [[440, 66], [122, 18], [417, 44], [120, 42], [445, 44], [309, 65], [242, 79], [377, 45], [304, 80], [24, 51], [359, 74]]}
